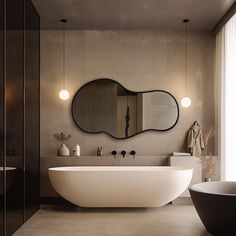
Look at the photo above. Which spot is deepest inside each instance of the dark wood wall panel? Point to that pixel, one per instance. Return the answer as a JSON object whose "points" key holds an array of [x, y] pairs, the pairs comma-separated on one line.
{"points": [[14, 115], [19, 113], [1, 117], [32, 102]]}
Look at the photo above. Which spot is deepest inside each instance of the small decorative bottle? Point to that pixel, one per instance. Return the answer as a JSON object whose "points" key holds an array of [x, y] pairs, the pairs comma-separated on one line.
{"points": [[77, 148]]}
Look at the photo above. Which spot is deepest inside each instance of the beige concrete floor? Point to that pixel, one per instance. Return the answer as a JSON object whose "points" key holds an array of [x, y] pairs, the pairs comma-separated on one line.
{"points": [[61, 220]]}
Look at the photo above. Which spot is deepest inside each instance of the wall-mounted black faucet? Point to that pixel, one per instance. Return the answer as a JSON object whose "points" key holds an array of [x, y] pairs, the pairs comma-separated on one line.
{"points": [[133, 153], [114, 152], [123, 153]]}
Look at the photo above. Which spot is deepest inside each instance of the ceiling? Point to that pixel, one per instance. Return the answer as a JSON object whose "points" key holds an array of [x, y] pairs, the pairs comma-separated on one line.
{"points": [[131, 14]]}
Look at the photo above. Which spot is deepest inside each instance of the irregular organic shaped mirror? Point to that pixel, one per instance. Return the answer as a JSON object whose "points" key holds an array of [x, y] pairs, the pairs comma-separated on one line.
{"points": [[105, 106]]}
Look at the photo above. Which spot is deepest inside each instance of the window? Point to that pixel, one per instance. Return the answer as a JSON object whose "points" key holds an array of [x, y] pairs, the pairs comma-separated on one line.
{"points": [[227, 50]]}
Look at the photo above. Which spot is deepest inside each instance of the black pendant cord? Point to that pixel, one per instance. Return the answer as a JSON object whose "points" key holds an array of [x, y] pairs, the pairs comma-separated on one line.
{"points": [[63, 53], [186, 48], [185, 55]]}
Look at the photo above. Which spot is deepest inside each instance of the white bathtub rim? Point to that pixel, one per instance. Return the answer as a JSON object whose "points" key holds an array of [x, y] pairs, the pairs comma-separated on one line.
{"points": [[120, 168], [196, 188]]}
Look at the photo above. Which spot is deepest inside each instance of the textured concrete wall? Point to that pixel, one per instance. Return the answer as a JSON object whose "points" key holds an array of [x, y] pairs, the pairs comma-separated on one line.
{"points": [[140, 60]]}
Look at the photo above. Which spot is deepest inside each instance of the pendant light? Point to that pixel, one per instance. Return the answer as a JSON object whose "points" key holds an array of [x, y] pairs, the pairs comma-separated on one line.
{"points": [[64, 94], [185, 101]]}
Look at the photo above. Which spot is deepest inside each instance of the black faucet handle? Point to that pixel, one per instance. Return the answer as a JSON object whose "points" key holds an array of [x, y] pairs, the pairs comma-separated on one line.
{"points": [[133, 153], [114, 152], [123, 153]]}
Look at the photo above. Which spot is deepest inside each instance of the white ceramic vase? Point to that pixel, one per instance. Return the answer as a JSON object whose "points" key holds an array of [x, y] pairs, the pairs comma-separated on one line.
{"points": [[63, 150]]}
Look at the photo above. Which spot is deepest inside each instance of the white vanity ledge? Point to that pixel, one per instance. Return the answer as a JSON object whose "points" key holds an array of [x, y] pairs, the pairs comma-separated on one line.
{"points": [[51, 161]]}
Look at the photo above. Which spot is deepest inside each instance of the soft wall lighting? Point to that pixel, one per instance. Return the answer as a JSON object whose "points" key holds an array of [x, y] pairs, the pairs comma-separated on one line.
{"points": [[185, 101], [64, 94]]}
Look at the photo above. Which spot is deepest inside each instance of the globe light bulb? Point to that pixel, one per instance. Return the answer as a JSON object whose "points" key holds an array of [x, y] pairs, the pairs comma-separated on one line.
{"points": [[185, 102], [64, 94]]}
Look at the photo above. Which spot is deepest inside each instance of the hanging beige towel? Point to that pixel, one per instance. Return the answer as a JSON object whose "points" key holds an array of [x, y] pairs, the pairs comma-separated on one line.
{"points": [[195, 140]]}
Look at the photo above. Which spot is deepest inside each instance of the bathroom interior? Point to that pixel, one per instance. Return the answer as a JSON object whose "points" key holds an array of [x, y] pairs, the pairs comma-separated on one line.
{"points": [[117, 117]]}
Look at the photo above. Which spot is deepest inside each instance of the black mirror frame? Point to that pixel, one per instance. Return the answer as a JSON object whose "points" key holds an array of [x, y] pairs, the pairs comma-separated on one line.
{"points": [[99, 132]]}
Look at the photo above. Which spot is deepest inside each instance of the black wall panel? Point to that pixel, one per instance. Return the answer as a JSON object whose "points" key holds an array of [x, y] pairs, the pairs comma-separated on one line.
{"points": [[19, 113], [14, 115], [1, 117], [32, 102]]}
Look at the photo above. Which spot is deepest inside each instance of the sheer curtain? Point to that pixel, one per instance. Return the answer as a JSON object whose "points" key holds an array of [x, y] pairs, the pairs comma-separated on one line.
{"points": [[226, 74]]}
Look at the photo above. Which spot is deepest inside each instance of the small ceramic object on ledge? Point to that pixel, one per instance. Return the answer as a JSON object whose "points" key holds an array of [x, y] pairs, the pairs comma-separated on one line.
{"points": [[207, 179], [63, 150], [74, 152], [99, 151]]}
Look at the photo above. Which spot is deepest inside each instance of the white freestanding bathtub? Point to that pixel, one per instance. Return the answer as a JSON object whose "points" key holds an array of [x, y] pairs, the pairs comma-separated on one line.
{"points": [[120, 186]]}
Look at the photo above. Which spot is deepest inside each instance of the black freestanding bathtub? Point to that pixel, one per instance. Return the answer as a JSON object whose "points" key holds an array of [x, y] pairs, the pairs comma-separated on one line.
{"points": [[215, 203]]}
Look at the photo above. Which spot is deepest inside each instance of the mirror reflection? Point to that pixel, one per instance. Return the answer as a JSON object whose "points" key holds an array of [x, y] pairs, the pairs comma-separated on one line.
{"points": [[104, 105]]}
